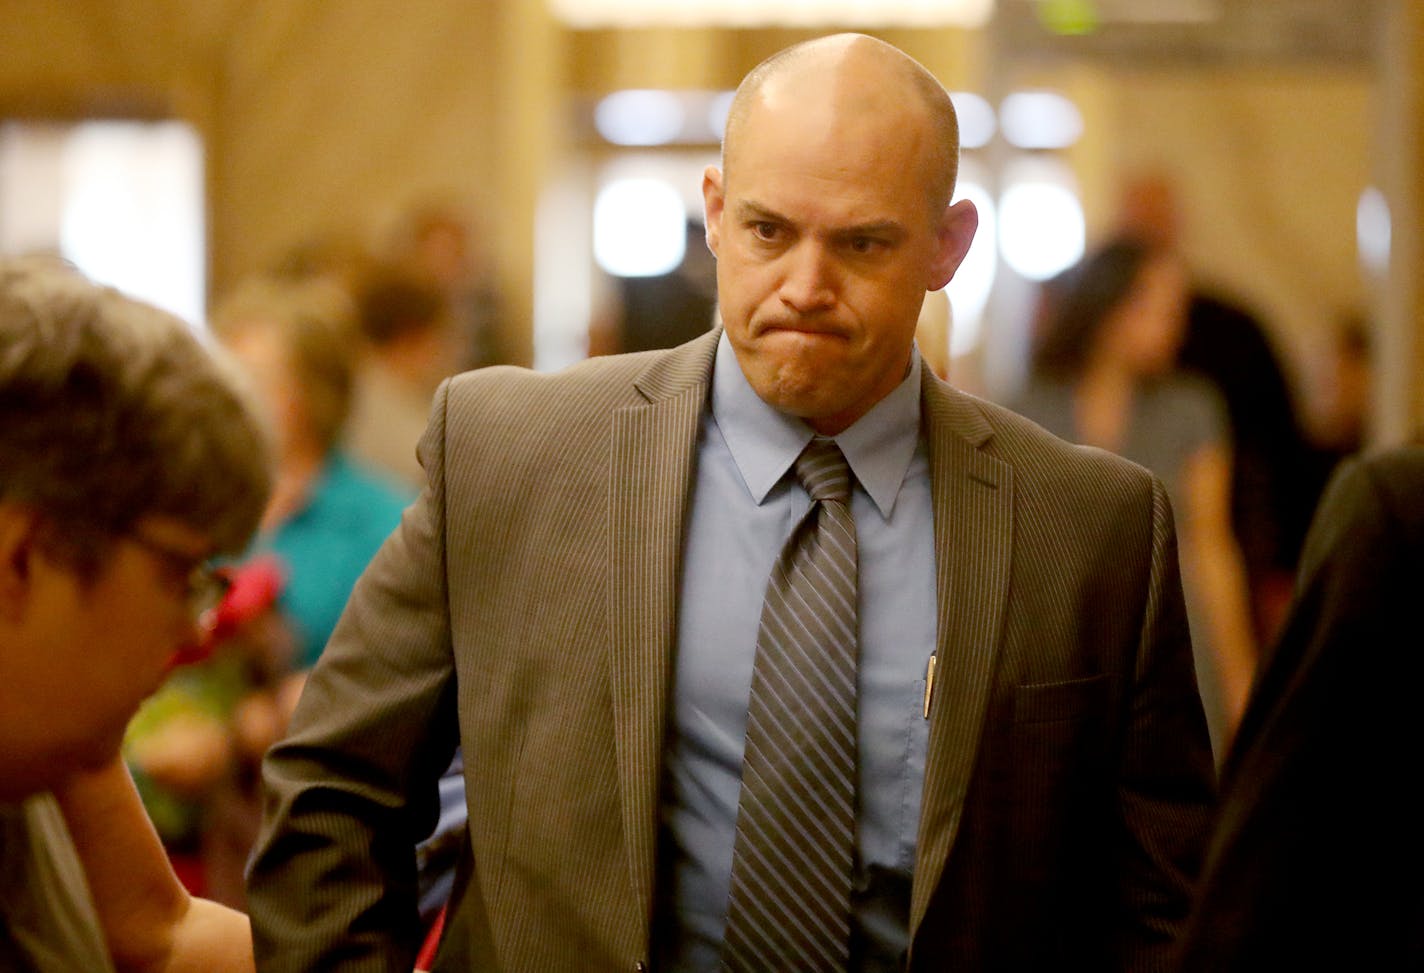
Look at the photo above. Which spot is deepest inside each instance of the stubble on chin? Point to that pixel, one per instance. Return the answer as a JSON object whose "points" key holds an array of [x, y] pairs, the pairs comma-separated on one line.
{"points": [[797, 388]]}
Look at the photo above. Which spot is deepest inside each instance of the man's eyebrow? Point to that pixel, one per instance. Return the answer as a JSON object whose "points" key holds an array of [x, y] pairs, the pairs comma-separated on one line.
{"points": [[751, 210], [881, 228]]}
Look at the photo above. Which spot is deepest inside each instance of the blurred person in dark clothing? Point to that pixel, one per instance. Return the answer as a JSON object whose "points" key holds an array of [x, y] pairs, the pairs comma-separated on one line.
{"points": [[1317, 850], [1273, 488], [668, 309]]}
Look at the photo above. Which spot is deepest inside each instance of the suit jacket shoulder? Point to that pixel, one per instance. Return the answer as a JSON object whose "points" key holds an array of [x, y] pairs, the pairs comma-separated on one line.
{"points": [[1046, 467], [514, 400]]}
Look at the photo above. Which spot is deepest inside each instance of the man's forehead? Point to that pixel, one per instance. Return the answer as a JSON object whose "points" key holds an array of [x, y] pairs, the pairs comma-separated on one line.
{"points": [[806, 109], [824, 141]]}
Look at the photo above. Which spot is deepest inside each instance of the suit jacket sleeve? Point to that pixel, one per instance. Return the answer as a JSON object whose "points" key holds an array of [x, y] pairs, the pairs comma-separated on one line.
{"points": [[1166, 781], [332, 883]]}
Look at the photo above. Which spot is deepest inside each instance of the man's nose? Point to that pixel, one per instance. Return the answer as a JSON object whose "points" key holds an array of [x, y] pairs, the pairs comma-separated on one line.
{"points": [[809, 284]]}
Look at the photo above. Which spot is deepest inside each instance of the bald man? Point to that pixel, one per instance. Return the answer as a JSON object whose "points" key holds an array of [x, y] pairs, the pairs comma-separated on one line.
{"points": [[590, 597]]}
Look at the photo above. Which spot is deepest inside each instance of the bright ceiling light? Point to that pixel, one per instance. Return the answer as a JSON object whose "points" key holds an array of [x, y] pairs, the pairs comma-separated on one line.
{"points": [[639, 117], [1040, 120], [976, 119], [1372, 230], [763, 13], [1041, 225], [639, 228]]}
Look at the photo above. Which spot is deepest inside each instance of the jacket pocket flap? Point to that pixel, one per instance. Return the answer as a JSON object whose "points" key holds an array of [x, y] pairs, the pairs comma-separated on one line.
{"points": [[1047, 702]]}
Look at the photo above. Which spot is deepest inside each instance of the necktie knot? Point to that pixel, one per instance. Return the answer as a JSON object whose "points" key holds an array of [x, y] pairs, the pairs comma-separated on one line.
{"points": [[822, 470]]}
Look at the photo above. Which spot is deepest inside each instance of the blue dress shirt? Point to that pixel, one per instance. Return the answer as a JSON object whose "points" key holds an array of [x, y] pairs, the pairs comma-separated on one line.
{"points": [[743, 508]]}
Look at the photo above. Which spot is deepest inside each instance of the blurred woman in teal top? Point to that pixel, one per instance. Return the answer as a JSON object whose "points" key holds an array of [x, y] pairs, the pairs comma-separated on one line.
{"points": [[328, 515]]}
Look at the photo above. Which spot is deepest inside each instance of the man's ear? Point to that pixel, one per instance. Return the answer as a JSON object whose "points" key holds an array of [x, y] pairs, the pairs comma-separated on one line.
{"points": [[17, 551], [713, 199], [953, 236]]}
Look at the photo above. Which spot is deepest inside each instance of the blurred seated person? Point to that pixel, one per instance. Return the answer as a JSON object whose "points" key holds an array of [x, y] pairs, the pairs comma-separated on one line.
{"points": [[410, 345], [129, 458], [1103, 375], [328, 514], [1317, 847]]}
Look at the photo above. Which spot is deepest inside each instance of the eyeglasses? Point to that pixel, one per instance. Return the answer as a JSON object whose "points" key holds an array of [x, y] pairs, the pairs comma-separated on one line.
{"points": [[204, 585]]}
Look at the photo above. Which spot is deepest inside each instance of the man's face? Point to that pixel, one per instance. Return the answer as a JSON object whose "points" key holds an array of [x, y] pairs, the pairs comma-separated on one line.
{"points": [[82, 654], [826, 244]]}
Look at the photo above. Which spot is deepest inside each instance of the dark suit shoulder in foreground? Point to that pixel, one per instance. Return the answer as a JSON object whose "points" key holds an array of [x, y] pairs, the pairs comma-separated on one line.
{"points": [[1317, 851]]}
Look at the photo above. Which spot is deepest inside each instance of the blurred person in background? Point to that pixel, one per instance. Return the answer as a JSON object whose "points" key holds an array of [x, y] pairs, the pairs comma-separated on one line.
{"points": [[129, 458], [1103, 374], [1342, 425], [1317, 848], [410, 343], [328, 514], [437, 240], [338, 256], [665, 310], [1274, 478]]}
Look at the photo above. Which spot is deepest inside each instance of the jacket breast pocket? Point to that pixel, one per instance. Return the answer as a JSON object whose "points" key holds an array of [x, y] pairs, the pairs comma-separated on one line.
{"points": [[1055, 702], [1058, 779]]}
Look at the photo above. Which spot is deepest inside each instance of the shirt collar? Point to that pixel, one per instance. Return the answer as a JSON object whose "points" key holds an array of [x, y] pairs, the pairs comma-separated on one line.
{"points": [[765, 442]]}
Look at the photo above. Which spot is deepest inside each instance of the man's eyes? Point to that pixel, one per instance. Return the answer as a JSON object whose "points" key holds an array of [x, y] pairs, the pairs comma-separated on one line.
{"points": [[767, 231]]}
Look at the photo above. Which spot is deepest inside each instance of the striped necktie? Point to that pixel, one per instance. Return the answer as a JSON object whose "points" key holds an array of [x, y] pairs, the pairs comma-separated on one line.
{"points": [[794, 853]]}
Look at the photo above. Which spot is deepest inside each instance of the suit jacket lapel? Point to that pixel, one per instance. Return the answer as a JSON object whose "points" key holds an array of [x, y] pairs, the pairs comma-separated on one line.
{"points": [[654, 449], [973, 525]]}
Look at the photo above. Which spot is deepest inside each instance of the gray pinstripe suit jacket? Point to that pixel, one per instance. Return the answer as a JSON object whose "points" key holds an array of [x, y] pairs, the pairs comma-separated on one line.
{"points": [[526, 607]]}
